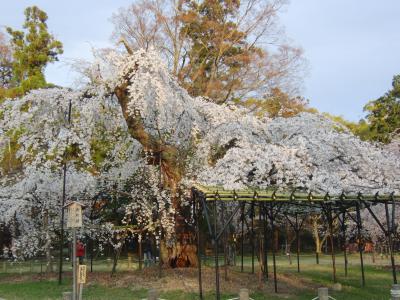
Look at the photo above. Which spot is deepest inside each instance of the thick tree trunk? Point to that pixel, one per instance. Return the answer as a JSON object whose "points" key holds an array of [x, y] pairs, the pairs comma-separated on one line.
{"points": [[183, 253]]}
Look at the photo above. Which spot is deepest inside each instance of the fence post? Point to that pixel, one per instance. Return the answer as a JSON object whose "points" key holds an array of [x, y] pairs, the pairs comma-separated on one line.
{"points": [[395, 292], [67, 295], [152, 294], [323, 293], [244, 294]]}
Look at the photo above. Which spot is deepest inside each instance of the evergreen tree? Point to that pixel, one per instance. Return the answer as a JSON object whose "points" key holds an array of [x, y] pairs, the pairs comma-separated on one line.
{"points": [[226, 50], [384, 114], [5, 65], [219, 49], [5, 62], [33, 48]]}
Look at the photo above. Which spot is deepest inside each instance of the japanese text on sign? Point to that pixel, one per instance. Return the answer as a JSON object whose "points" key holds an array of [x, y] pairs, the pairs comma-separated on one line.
{"points": [[74, 216], [82, 274]]}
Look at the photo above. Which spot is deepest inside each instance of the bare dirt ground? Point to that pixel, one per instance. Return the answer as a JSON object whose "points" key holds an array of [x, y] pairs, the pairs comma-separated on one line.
{"points": [[183, 279]]}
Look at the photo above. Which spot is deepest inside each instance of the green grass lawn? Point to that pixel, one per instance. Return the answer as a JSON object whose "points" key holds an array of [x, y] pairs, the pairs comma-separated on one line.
{"points": [[46, 290], [378, 283]]}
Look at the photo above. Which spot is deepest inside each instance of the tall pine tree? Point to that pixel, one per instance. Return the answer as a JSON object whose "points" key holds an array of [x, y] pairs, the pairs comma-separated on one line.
{"points": [[33, 48], [383, 114], [219, 49]]}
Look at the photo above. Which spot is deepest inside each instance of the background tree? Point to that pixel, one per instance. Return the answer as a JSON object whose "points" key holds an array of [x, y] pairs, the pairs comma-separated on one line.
{"points": [[224, 50], [383, 114], [277, 104], [32, 49], [5, 63]]}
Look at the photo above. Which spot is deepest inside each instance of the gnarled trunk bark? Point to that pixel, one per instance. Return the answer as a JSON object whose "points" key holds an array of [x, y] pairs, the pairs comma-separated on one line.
{"points": [[183, 253]]}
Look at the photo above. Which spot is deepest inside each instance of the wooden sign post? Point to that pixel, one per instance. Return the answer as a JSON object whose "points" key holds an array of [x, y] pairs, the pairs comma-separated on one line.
{"points": [[82, 274], [74, 215], [74, 220], [81, 279]]}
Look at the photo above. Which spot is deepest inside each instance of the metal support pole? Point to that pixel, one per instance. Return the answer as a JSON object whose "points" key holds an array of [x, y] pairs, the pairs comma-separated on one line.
{"points": [[273, 244], [260, 238], [242, 239], [140, 252], [74, 273], [216, 251], [360, 250], [91, 253], [62, 225], [298, 243], [330, 221], [198, 214], [265, 241], [390, 242], [224, 242], [62, 206], [343, 225], [252, 236]]}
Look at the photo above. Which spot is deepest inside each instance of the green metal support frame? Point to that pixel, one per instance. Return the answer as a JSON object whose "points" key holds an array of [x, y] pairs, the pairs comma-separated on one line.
{"points": [[272, 203]]}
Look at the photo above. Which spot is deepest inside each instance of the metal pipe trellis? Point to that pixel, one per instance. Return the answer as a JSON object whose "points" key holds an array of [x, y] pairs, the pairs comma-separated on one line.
{"points": [[340, 205]]}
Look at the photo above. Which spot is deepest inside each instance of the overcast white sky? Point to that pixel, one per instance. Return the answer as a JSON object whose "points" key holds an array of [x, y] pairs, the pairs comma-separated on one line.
{"points": [[353, 46]]}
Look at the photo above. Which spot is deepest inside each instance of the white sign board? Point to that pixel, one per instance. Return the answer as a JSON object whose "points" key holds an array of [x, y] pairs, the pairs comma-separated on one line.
{"points": [[74, 215], [82, 274]]}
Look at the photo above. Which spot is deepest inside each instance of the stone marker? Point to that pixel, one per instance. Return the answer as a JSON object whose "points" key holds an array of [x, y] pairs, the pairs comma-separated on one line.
{"points": [[67, 296], [244, 294], [323, 293], [337, 287], [152, 294], [395, 292]]}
